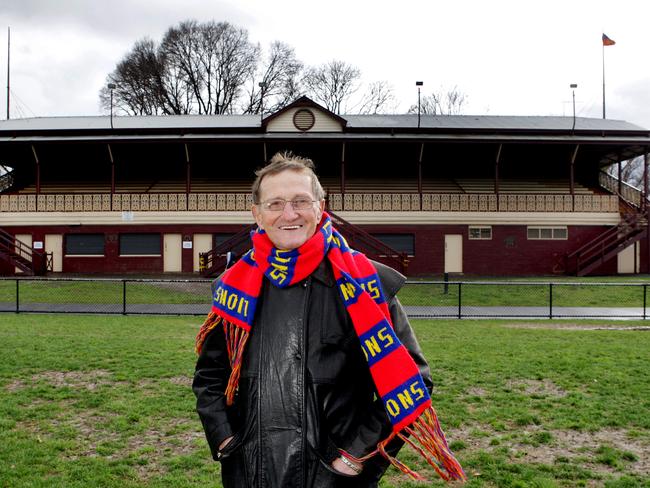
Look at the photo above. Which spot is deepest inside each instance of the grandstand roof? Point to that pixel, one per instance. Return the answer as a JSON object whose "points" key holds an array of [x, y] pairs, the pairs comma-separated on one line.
{"points": [[601, 141], [354, 123]]}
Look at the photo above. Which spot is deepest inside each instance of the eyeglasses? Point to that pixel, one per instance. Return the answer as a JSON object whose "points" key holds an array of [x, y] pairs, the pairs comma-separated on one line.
{"points": [[278, 204]]}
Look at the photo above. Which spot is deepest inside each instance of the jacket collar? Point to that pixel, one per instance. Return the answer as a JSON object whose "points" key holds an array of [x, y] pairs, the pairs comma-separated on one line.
{"points": [[324, 274]]}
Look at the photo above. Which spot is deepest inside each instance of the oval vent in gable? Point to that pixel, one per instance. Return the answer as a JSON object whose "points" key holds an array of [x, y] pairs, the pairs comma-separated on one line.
{"points": [[304, 119]]}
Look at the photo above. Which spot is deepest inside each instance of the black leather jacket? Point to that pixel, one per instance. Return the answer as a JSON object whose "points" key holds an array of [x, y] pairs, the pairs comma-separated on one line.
{"points": [[305, 389]]}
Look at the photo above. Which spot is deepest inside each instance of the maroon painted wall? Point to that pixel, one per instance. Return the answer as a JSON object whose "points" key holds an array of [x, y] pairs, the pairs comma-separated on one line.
{"points": [[508, 253]]}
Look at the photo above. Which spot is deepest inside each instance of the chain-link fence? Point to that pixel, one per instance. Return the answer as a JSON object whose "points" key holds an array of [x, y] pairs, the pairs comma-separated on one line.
{"points": [[422, 299], [105, 296], [524, 299]]}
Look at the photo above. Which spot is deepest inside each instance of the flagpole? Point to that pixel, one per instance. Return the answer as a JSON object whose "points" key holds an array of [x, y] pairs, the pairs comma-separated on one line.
{"points": [[8, 65], [603, 80]]}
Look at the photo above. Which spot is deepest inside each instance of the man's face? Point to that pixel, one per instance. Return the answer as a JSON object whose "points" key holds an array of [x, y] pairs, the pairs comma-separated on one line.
{"points": [[289, 228]]}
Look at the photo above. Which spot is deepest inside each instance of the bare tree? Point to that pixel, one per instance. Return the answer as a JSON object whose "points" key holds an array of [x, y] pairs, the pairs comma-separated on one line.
{"points": [[279, 77], [197, 68], [136, 77], [213, 60], [631, 171], [331, 84], [379, 98], [442, 102]]}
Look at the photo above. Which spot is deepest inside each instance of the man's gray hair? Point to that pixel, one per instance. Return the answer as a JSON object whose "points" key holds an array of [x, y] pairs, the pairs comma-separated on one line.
{"points": [[287, 161]]}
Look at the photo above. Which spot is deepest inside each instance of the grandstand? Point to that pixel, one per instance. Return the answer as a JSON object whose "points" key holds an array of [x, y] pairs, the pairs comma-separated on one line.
{"points": [[482, 195]]}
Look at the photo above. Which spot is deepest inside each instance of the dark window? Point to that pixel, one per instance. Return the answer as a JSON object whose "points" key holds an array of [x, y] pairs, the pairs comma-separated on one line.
{"points": [[221, 237], [131, 244], [84, 244], [399, 242], [240, 249]]}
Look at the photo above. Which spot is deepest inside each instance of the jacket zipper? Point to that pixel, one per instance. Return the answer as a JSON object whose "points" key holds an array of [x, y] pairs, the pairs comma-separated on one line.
{"points": [[307, 286], [259, 412]]}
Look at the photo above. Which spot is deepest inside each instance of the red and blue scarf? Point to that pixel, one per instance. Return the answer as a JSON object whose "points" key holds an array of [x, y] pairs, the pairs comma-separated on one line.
{"points": [[396, 376]]}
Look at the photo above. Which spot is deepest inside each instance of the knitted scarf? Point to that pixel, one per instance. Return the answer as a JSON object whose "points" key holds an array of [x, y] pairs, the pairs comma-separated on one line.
{"points": [[395, 374]]}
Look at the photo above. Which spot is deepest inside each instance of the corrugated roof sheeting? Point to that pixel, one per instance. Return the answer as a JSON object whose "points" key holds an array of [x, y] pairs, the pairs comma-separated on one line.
{"points": [[355, 123]]}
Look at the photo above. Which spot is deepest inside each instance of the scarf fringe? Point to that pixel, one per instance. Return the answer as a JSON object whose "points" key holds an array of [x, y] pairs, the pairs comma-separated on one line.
{"points": [[236, 339], [211, 321], [425, 436]]}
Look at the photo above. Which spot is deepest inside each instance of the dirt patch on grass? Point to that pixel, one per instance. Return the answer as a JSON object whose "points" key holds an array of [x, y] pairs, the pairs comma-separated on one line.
{"points": [[88, 380], [110, 436], [605, 451], [573, 326], [543, 387], [181, 380]]}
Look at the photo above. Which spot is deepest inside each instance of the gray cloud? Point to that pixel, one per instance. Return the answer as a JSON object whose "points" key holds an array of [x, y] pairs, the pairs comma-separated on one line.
{"points": [[632, 102], [118, 18]]}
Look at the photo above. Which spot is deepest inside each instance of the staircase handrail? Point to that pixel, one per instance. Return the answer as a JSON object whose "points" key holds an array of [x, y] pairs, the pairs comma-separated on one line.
{"points": [[606, 242], [208, 259], [629, 193], [37, 259], [628, 221], [399, 258]]}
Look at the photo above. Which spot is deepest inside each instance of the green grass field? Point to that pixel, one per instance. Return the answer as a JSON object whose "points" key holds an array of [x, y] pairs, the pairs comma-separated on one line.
{"points": [[90, 401]]}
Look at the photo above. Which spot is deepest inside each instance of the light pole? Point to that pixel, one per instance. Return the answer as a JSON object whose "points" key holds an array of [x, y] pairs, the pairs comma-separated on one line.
{"points": [[111, 87], [419, 84], [573, 87], [262, 86]]}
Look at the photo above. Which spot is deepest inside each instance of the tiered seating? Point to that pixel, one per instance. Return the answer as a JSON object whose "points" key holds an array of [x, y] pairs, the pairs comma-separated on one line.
{"points": [[331, 185], [474, 185], [353, 185], [69, 187], [202, 185]]}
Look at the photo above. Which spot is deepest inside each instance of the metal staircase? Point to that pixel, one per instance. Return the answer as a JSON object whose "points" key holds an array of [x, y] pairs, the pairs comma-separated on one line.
{"points": [[22, 256], [607, 245], [213, 262], [372, 247], [632, 228]]}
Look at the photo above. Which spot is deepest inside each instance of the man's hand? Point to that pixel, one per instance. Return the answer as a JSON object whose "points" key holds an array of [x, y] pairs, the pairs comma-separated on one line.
{"points": [[225, 442], [342, 467]]}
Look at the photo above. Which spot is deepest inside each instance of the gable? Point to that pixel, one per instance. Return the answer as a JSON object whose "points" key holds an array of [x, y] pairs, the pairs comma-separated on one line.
{"points": [[304, 119]]}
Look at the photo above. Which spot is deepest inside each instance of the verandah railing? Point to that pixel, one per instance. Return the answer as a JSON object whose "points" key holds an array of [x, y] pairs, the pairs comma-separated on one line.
{"points": [[382, 202], [627, 192]]}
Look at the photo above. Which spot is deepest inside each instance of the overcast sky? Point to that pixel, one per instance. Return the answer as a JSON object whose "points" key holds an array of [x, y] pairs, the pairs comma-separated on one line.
{"points": [[508, 57]]}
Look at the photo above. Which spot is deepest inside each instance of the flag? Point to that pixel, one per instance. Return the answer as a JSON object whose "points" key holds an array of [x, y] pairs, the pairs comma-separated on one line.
{"points": [[607, 41]]}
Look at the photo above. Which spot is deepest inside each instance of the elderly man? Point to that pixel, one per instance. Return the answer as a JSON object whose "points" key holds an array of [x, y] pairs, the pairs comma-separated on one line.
{"points": [[309, 374]]}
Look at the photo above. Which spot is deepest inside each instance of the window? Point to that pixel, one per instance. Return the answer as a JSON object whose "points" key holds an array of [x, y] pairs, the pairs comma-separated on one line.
{"points": [[221, 237], [546, 233], [239, 249], [139, 244], [84, 245], [399, 242], [478, 233]]}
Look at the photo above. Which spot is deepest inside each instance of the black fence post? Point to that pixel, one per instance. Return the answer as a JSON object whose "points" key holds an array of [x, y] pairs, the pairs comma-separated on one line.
{"points": [[123, 297], [17, 295], [446, 287], [460, 301], [645, 297], [550, 301]]}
